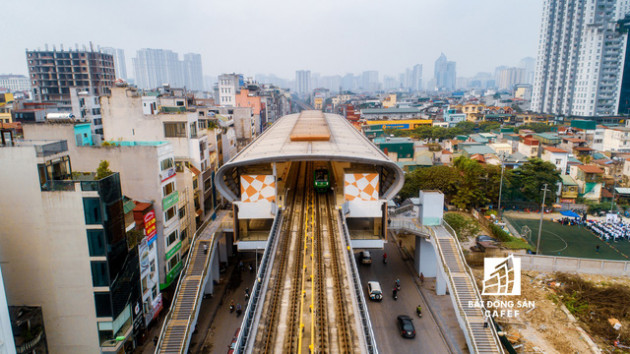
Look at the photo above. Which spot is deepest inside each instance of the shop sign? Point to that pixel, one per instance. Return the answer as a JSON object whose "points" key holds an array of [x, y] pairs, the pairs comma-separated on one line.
{"points": [[172, 251], [149, 224], [170, 200]]}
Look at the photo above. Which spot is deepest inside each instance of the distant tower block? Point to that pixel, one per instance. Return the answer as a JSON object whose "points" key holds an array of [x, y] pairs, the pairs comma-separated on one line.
{"points": [[431, 208]]}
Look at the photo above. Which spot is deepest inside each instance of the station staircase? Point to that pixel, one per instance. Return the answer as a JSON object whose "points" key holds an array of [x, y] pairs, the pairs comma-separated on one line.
{"points": [[182, 316], [481, 335]]}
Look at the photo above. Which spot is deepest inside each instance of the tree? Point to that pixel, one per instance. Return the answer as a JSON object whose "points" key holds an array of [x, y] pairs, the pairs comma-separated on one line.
{"points": [[103, 170], [537, 127], [489, 126], [470, 191], [442, 178], [528, 180]]}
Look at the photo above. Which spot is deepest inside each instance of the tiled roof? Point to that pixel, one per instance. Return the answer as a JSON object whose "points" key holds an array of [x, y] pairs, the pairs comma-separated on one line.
{"points": [[590, 169], [554, 149]]}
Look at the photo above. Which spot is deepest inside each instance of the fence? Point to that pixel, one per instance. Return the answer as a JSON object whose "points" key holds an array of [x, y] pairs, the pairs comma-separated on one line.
{"points": [[574, 265]]}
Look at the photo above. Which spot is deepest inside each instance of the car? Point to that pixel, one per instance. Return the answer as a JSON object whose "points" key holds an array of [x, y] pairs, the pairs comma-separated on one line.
{"points": [[406, 327], [366, 258], [485, 238], [374, 290], [232, 346]]}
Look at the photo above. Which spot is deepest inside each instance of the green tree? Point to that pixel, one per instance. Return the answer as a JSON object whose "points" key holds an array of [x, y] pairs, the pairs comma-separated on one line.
{"points": [[464, 128], [442, 178], [469, 190], [528, 180], [464, 226], [537, 127], [103, 170]]}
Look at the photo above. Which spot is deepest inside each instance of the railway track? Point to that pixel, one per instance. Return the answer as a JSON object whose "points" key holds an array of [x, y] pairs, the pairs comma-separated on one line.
{"points": [[309, 269]]}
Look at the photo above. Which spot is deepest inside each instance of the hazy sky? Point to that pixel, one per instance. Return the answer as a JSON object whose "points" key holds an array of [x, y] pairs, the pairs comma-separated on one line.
{"points": [[281, 36]]}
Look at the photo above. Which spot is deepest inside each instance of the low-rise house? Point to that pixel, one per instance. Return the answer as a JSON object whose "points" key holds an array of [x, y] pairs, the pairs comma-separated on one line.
{"points": [[556, 156], [589, 179]]}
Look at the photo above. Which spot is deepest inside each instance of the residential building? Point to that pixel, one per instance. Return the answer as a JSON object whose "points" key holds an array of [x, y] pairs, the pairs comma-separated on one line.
{"points": [[370, 81], [529, 64], [391, 113], [14, 83], [616, 139], [148, 173], [529, 147], [303, 82], [581, 57], [53, 73], [398, 149], [569, 190], [589, 180], [83, 271], [157, 67], [193, 72], [120, 64], [227, 88], [523, 91], [87, 106], [506, 78], [557, 157], [444, 74]]}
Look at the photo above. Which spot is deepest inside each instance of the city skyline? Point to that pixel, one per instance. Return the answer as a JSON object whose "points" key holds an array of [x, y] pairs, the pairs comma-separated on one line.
{"points": [[289, 35]]}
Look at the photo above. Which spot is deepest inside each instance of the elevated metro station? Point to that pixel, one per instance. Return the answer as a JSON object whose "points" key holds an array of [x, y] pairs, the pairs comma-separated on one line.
{"points": [[343, 161]]}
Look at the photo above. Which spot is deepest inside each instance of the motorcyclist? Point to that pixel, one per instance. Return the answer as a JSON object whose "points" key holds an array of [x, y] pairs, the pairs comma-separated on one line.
{"points": [[419, 310], [231, 306], [384, 257], [398, 283]]}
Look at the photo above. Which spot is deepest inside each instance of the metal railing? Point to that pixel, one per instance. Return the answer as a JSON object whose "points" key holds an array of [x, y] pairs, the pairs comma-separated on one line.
{"points": [[460, 313], [259, 286], [401, 209], [179, 284], [368, 332], [471, 279]]}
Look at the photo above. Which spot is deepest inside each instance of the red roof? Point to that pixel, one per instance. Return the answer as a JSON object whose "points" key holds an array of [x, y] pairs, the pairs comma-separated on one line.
{"points": [[446, 152], [530, 141], [554, 149], [574, 140], [478, 157], [590, 169]]}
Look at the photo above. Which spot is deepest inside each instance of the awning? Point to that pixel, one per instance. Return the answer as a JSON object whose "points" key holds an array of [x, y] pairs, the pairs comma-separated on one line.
{"points": [[570, 214], [198, 212]]}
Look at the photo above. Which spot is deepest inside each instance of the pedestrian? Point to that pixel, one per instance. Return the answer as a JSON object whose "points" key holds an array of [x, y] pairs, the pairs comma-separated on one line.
{"points": [[597, 249], [155, 340], [240, 266], [205, 248], [421, 278]]}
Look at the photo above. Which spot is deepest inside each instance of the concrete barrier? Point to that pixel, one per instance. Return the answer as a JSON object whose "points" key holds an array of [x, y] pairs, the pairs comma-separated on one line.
{"points": [[574, 265]]}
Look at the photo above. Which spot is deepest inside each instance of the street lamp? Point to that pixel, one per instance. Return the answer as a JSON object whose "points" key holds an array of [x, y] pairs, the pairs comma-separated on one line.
{"points": [[542, 213]]}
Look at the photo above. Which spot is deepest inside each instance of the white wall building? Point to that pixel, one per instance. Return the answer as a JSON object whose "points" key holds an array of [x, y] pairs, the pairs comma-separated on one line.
{"points": [[228, 86], [86, 105], [15, 83], [580, 57], [616, 139], [120, 64], [556, 156]]}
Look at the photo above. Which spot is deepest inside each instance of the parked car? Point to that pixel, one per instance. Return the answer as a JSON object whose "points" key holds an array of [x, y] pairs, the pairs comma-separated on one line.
{"points": [[374, 290], [366, 258], [406, 327], [485, 242], [232, 346]]}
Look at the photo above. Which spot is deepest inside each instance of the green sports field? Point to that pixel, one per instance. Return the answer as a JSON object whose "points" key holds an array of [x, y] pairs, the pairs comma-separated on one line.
{"points": [[571, 241]]}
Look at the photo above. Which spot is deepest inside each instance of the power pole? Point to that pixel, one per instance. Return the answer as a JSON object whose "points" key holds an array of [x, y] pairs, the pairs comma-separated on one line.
{"points": [[542, 213], [500, 190]]}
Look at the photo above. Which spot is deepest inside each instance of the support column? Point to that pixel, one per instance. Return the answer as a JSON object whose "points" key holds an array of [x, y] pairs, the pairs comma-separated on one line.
{"points": [[440, 283], [425, 258]]}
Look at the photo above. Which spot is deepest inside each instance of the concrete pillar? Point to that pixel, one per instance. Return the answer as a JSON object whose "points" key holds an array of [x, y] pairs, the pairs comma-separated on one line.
{"points": [[425, 258], [222, 247], [440, 283]]}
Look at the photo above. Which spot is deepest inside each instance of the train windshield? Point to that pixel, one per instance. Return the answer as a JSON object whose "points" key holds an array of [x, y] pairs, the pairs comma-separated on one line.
{"points": [[321, 175]]}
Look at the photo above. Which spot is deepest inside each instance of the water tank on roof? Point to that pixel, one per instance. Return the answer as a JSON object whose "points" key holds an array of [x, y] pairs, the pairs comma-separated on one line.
{"points": [[59, 116]]}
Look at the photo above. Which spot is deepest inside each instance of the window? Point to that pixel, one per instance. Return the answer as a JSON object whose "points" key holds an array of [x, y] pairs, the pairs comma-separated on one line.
{"points": [[103, 305], [166, 163], [183, 234], [155, 293], [173, 261], [153, 266], [168, 215], [193, 129], [169, 188], [172, 238], [96, 243], [99, 274], [175, 130], [182, 213], [92, 211]]}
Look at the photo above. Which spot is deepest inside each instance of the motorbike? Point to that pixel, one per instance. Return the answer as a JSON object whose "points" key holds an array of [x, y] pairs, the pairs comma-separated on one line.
{"points": [[419, 312], [395, 294], [231, 308]]}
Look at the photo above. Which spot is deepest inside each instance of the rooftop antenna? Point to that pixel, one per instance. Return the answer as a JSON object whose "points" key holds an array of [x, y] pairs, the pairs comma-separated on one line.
{"points": [[91, 47], [46, 46], [61, 47], [54, 48], [76, 46]]}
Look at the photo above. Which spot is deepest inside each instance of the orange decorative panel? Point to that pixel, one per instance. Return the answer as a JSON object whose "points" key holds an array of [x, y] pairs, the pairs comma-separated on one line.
{"points": [[255, 188], [361, 186]]}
